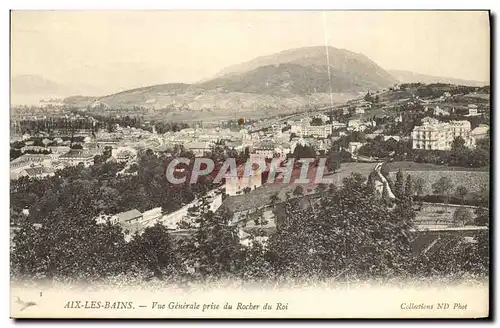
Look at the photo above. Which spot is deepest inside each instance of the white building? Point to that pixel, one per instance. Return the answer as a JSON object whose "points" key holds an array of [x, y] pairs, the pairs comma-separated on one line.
{"points": [[356, 125], [436, 135], [305, 129], [236, 185], [472, 110], [440, 112], [354, 147], [359, 110], [480, 132], [77, 156]]}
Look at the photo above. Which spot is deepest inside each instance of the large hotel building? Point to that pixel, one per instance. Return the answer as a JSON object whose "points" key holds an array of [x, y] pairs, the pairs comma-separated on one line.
{"points": [[435, 135]]}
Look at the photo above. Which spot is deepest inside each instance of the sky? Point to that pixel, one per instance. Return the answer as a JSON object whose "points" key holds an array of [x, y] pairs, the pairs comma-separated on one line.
{"points": [[118, 50]]}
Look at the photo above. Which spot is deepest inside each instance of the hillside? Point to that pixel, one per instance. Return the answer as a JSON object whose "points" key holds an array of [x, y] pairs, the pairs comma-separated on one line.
{"points": [[345, 63], [410, 77], [289, 79]]}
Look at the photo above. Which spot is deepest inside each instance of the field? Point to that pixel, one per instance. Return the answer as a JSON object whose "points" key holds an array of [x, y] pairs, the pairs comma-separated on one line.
{"points": [[438, 214], [412, 166], [472, 180], [261, 196]]}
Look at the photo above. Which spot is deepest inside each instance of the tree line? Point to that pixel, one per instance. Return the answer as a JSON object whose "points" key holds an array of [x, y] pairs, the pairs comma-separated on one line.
{"points": [[345, 233]]}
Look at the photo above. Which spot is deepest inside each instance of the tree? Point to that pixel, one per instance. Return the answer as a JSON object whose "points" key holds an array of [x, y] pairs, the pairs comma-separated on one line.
{"points": [[483, 202], [462, 216], [274, 199], [368, 96], [69, 243], [399, 185], [461, 192], [409, 188], [322, 188], [213, 249], [419, 186], [298, 191], [256, 266], [366, 238], [316, 121], [443, 187], [333, 165], [153, 250]]}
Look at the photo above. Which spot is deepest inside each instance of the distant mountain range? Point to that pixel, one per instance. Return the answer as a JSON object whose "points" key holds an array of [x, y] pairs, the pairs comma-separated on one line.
{"points": [[283, 81], [410, 77], [30, 89]]}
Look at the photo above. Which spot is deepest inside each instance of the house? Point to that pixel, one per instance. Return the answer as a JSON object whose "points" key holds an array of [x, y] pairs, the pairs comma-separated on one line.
{"points": [[354, 147], [359, 110], [130, 221], [77, 156], [33, 148], [436, 135], [264, 149], [124, 154], [480, 132], [59, 150], [337, 125], [37, 172], [472, 110], [236, 184], [396, 138], [356, 125], [199, 148], [440, 112]]}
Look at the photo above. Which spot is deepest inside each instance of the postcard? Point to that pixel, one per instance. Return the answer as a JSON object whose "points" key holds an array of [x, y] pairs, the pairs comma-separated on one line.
{"points": [[250, 164]]}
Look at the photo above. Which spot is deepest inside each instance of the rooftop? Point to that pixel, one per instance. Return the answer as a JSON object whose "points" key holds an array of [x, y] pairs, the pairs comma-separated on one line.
{"points": [[129, 215]]}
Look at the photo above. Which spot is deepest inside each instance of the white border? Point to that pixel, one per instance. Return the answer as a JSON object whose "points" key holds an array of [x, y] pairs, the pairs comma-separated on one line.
{"points": [[193, 4]]}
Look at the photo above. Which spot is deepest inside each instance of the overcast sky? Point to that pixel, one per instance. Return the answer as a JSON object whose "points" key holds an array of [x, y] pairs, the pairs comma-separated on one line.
{"points": [[116, 50]]}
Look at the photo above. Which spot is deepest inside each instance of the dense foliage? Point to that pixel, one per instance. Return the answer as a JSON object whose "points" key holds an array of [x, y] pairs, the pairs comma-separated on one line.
{"points": [[347, 233]]}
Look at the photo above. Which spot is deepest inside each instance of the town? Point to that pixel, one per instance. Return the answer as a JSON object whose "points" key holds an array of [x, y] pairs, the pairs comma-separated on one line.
{"points": [[436, 135]]}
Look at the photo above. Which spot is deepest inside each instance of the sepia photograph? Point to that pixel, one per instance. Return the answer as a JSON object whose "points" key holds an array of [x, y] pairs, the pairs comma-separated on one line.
{"points": [[311, 164]]}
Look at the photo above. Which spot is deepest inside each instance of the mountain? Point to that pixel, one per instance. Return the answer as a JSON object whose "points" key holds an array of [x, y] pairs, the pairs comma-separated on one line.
{"points": [[284, 81], [33, 84], [410, 77], [30, 89], [350, 68]]}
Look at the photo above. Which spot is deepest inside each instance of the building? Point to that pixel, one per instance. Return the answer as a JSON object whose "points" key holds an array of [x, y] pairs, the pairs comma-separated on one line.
{"points": [[440, 112], [39, 172], [124, 154], [356, 125], [318, 131], [436, 135], [76, 156], [236, 185], [130, 221], [59, 150], [337, 125], [396, 138], [359, 110], [263, 150], [303, 129], [354, 147], [480, 132], [27, 160], [472, 110], [199, 148]]}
